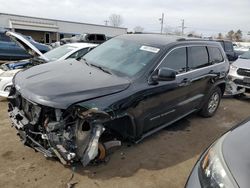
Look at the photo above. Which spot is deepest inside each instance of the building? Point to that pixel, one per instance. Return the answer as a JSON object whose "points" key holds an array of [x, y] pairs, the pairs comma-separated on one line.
{"points": [[50, 30]]}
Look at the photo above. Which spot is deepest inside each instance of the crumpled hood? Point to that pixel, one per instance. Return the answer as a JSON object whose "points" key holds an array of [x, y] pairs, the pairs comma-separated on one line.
{"points": [[60, 84], [236, 152], [242, 63]]}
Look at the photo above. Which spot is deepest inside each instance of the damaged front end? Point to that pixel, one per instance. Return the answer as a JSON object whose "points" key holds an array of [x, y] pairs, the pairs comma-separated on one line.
{"points": [[71, 135]]}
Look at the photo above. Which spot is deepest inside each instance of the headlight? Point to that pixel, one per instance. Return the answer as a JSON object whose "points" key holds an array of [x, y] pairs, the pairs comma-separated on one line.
{"points": [[233, 67], [213, 171], [7, 74]]}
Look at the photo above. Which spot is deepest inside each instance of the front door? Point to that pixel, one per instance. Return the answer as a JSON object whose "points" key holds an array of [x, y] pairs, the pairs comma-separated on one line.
{"points": [[165, 102]]}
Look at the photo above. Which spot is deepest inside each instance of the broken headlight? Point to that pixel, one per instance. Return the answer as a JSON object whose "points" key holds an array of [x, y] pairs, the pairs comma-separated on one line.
{"points": [[233, 67], [213, 171]]}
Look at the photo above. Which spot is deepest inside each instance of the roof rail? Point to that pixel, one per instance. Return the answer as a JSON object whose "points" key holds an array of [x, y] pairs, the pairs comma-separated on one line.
{"points": [[181, 39]]}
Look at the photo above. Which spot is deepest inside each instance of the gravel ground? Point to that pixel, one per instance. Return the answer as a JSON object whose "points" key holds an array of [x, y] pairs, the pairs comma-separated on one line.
{"points": [[162, 160]]}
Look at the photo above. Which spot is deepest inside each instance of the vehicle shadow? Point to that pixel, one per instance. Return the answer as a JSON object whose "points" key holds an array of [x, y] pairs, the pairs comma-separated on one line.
{"points": [[169, 147]]}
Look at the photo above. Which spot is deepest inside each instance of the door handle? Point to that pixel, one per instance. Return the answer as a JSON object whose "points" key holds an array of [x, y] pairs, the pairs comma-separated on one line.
{"points": [[185, 82]]}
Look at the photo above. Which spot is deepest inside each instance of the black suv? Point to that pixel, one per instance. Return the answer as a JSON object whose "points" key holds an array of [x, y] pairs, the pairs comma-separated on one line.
{"points": [[89, 38], [229, 49], [125, 89]]}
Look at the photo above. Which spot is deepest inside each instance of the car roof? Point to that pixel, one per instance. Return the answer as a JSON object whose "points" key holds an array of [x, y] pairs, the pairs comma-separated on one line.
{"points": [[158, 40], [81, 45]]}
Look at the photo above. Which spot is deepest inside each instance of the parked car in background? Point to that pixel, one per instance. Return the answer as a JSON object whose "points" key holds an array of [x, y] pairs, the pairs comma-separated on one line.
{"points": [[241, 49], [9, 50], [90, 38], [125, 89], [229, 49], [225, 163], [68, 51], [239, 75]]}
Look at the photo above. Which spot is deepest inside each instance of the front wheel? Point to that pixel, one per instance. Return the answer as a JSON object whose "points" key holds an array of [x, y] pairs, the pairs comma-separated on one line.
{"points": [[212, 103]]}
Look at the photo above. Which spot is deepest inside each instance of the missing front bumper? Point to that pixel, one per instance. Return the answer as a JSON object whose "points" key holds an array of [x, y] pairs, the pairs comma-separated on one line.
{"points": [[59, 143]]}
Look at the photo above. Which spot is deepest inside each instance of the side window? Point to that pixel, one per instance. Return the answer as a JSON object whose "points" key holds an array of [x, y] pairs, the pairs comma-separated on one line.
{"points": [[215, 55], [78, 54], [4, 38], [100, 37], [197, 57], [91, 37], [177, 60], [228, 47]]}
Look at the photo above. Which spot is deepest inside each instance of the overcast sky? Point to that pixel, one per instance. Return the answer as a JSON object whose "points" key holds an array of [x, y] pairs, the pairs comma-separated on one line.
{"points": [[208, 17]]}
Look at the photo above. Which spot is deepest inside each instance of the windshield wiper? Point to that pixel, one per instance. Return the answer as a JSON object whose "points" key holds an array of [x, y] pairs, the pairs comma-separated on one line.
{"points": [[101, 68], [85, 61]]}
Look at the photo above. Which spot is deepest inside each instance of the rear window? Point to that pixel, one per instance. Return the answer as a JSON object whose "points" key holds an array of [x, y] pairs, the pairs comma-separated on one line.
{"points": [[215, 55], [197, 57]]}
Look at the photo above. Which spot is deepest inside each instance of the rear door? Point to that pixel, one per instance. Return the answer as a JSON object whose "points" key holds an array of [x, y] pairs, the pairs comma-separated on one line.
{"points": [[201, 69]]}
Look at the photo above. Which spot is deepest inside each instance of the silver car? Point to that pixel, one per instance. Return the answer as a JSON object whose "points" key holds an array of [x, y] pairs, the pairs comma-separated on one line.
{"points": [[239, 75]]}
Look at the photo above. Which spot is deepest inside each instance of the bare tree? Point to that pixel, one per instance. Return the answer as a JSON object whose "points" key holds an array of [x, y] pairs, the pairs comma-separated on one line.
{"points": [[115, 20], [138, 29], [230, 35], [220, 36], [238, 36]]}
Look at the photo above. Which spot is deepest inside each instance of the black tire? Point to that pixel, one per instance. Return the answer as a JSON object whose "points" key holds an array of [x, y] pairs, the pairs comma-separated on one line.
{"points": [[212, 103]]}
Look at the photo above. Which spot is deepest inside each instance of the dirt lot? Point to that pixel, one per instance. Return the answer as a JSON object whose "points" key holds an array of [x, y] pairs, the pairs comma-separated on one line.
{"points": [[163, 160]]}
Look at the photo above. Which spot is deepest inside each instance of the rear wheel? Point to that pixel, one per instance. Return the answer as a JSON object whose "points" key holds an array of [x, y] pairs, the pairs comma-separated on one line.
{"points": [[212, 103]]}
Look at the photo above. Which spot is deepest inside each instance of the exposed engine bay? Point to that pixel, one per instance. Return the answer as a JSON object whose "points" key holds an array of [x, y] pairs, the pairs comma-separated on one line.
{"points": [[70, 135]]}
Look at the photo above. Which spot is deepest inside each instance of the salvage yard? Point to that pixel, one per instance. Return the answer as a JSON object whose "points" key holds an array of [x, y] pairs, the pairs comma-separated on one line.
{"points": [[162, 160]]}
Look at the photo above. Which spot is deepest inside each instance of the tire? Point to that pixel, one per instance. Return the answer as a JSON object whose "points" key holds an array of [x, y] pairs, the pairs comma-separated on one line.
{"points": [[212, 103]]}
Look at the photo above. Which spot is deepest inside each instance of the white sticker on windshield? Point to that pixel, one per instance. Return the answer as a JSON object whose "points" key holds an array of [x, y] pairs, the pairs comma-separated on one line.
{"points": [[150, 49]]}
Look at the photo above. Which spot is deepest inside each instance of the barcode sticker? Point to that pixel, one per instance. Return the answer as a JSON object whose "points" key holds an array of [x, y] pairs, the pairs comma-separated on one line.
{"points": [[150, 49]]}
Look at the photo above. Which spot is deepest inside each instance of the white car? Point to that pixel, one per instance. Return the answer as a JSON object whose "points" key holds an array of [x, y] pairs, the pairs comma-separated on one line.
{"points": [[239, 75], [67, 51], [6, 81]]}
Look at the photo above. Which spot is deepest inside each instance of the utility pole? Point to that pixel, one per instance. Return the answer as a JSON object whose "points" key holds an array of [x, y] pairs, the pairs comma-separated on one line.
{"points": [[106, 22], [162, 21], [182, 26]]}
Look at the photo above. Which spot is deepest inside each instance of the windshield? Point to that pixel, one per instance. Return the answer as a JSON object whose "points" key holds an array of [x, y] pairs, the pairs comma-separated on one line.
{"points": [[58, 52], [246, 55], [122, 56]]}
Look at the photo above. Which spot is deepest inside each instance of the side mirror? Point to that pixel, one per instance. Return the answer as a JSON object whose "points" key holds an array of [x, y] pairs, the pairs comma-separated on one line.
{"points": [[166, 74], [163, 74]]}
